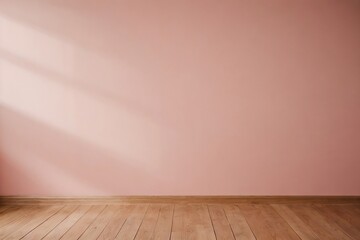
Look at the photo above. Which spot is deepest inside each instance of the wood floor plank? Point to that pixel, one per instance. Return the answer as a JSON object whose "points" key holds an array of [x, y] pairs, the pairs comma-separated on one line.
{"points": [[238, 223], [83, 223], [116, 222], [194, 221], [182, 221], [99, 224], [304, 232], [22, 217], [146, 230], [178, 228], [65, 225], [220, 222], [324, 229], [164, 224], [11, 214], [3, 208], [133, 222], [35, 220], [339, 219], [347, 211], [266, 223], [47, 226], [357, 207]]}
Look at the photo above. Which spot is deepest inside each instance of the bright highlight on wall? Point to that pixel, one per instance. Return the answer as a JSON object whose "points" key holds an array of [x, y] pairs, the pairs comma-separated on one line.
{"points": [[179, 97]]}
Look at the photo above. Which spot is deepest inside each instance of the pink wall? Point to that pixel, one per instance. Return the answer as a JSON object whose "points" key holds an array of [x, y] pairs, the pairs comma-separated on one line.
{"points": [[189, 97]]}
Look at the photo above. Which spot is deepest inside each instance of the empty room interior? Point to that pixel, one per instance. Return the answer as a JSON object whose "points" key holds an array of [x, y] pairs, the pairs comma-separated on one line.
{"points": [[180, 119]]}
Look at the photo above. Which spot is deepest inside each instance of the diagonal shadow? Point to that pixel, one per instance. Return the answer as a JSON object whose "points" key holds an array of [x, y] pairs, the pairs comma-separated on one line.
{"points": [[31, 148], [126, 104]]}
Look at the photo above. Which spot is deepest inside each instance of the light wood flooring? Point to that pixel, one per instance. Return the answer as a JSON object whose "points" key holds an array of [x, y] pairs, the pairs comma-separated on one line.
{"points": [[181, 221]]}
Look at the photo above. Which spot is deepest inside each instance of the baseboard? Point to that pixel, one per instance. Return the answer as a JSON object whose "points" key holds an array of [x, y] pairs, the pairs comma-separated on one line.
{"points": [[35, 200]]}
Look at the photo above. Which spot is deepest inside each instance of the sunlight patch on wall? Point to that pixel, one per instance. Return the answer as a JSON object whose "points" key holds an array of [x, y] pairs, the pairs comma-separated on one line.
{"points": [[91, 117]]}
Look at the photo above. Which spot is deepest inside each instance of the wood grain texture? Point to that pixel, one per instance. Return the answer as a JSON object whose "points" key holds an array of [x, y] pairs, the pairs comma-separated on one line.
{"points": [[164, 224], [3, 208], [11, 214], [67, 223], [295, 222], [182, 221], [266, 223], [238, 223], [23, 217], [146, 230], [97, 226], [323, 227], [33, 220], [220, 223], [350, 213], [192, 222], [83, 223], [48, 225], [340, 219], [116, 222], [178, 228], [133, 222]]}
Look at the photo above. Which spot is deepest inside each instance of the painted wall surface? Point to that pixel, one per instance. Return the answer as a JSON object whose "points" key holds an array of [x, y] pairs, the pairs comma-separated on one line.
{"points": [[190, 97]]}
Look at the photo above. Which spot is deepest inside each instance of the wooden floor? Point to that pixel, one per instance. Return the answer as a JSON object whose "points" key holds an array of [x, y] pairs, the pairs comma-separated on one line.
{"points": [[181, 221]]}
